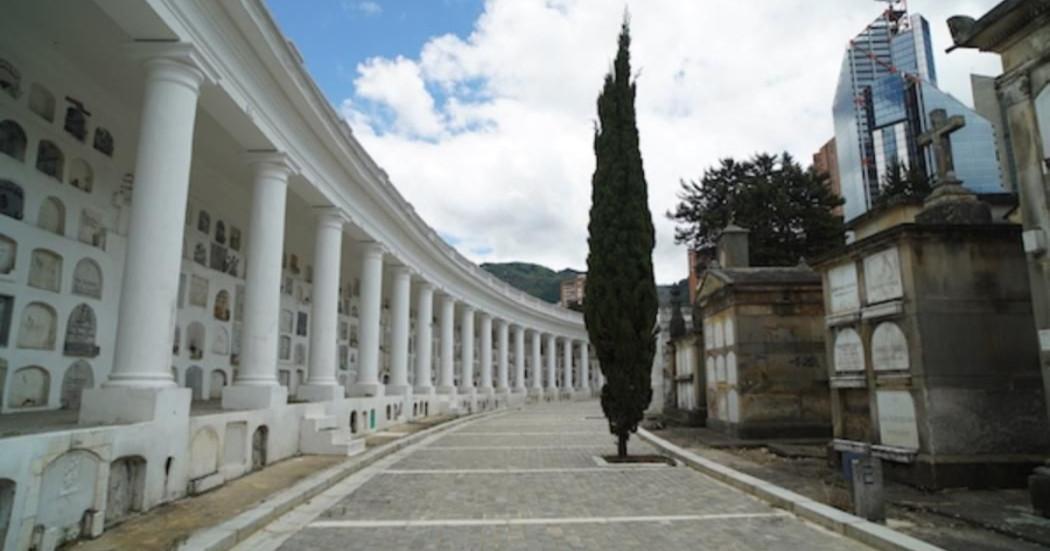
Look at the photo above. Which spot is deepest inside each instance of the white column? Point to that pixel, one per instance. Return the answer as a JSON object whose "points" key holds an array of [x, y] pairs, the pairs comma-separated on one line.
{"points": [[486, 353], [145, 325], [424, 337], [447, 379], [466, 355], [567, 361], [371, 299], [519, 358], [537, 364], [321, 384], [585, 368], [502, 334], [401, 291], [552, 365]]}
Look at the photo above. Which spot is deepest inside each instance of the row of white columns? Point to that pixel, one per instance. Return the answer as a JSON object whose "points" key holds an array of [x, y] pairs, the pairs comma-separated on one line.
{"points": [[147, 314]]}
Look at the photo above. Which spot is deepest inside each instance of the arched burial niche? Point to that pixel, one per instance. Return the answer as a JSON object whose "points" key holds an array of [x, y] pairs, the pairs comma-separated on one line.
{"points": [[80, 333], [81, 176], [195, 340], [13, 140], [30, 387], [217, 382], [12, 199], [42, 102], [221, 311], [67, 491], [78, 377], [8, 254], [87, 279], [10, 84], [37, 328], [195, 381], [45, 270], [127, 483], [221, 344], [204, 454], [353, 422], [52, 216], [260, 439], [50, 160], [7, 505]]}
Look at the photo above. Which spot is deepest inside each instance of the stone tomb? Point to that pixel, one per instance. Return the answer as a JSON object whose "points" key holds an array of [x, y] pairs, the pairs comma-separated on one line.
{"points": [[933, 364], [763, 346]]}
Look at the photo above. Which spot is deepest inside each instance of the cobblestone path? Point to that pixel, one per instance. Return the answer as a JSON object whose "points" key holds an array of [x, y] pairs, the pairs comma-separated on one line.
{"points": [[530, 480]]}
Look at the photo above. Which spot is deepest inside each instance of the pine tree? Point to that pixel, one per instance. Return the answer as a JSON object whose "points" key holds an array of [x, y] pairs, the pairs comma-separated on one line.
{"points": [[620, 310], [903, 182]]}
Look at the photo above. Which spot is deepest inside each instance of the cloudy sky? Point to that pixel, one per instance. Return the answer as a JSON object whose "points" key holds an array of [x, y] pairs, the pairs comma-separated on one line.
{"points": [[482, 112]]}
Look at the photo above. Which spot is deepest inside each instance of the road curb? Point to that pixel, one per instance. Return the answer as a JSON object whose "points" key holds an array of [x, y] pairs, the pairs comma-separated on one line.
{"points": [[229, 533], [850, 526]]}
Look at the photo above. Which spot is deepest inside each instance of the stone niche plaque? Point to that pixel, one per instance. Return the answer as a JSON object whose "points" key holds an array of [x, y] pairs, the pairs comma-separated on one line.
{"points": [[897, 425], [882, 276], [842, 283], [198, 291], [849, 352], [889, 348]]}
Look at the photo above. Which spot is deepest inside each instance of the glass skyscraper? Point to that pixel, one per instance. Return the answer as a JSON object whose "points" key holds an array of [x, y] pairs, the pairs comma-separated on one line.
{"points": [[886, 90]]}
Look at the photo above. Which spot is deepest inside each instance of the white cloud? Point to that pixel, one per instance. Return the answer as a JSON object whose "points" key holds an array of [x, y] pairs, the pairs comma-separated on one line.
{"points": [[490, 135], [364, 7]]}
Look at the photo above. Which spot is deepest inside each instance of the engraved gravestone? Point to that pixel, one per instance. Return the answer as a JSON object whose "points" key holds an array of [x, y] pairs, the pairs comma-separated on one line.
{"points": [[92, 230], [80, 333], [37, 330], [87, 279], [897, 425], [67, 492], [221, 344], [842, 283], [882, 276], [45, 270], [78, 377], [849, 352], [198, 291], [889, 348]]}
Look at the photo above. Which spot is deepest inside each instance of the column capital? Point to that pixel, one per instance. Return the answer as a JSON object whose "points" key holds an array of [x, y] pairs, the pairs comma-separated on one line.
{"points": [[278, 163], [424, 284], [184, 62], [468, 309], [398, 270], [485, 316], [373, 248], [330, 216]]}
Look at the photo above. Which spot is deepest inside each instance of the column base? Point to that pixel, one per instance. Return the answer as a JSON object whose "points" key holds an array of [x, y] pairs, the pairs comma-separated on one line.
{"points": [[367, 390], [320, 393], [535, 392], [550, 393], [254, 396], [398, 390], [486, 390], [448, 390], [116, 405], [467, 391], [423, 391]]}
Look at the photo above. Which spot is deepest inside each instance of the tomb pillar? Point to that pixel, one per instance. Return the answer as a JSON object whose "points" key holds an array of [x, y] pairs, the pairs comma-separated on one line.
{"points": [[466, 355], [537, 365], [401, 290], [566, 359], [424, 337], [371, 302], [486, 353], [255, 385], [140, 385], [321, 384], [447, 379], [585, 368], [501, 359], [519, 358], [552, 365]]}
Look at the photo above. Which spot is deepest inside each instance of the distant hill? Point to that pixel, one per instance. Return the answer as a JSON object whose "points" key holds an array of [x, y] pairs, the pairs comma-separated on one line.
{"points": [[538, 281]]}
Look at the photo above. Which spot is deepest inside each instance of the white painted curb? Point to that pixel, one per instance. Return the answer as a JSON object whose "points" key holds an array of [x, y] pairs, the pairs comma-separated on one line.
{"points": [[851, 526]]}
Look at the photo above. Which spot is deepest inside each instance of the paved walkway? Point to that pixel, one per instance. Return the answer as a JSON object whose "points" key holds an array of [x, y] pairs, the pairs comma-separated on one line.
{"points": [[530, 480]]}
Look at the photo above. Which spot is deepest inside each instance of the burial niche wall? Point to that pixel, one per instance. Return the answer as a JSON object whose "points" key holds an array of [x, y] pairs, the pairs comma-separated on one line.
{"points": [[13, 140], [87, 279], [81, 176], [127, 484], [50, 160], [37, 329], [45, 270], [42, 102], [30, 387], [78, 377], [67, 491], [80, 333], [204, 454], [52, 216]]}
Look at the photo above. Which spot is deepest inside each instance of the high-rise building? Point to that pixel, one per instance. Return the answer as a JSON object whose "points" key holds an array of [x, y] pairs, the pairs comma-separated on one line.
{"points": [[826, 161], [886, 89]]}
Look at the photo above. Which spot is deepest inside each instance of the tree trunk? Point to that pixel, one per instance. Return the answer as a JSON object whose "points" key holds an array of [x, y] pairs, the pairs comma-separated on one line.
{"points": [[621, 445]]}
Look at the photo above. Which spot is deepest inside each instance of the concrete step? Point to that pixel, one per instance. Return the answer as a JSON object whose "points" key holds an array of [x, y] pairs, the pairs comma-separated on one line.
{"points": [[321, 435]]}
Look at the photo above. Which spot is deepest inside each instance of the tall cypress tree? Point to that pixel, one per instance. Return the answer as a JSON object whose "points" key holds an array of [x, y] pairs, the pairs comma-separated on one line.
{"points": [[620, 308]]}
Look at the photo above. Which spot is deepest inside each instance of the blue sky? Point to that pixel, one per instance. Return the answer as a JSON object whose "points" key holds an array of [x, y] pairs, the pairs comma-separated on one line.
{"points": [[334, 36]]}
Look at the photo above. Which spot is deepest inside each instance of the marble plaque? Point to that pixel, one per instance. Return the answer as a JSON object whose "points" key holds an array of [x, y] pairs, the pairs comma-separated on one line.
{"points": [[889, 348], [87, 279], [45, 270], [80, 333], [38, 327], [897, 426], [842, 283], [198, 291], [882, 276], [849, 352]]}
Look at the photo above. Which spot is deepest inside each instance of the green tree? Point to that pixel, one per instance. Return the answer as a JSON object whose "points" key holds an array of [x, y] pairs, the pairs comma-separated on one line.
{"points": [[903, 182], [787, 209], [620, 308]]}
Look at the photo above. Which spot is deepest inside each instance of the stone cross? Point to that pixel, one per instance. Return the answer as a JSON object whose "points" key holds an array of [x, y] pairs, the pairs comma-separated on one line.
{"points": [[941, 126]]}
